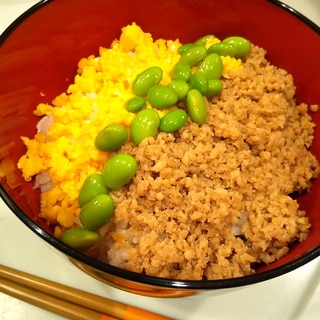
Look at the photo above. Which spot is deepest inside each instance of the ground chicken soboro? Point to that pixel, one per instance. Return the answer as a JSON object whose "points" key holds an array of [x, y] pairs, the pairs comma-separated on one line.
{"points": [[211, 201]]}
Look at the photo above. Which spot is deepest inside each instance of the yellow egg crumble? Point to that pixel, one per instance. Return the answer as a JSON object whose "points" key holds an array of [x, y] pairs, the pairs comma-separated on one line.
{"points": [[63, 149]]}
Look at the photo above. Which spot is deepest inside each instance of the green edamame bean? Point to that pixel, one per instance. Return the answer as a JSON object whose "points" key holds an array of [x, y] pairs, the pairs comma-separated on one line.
{"points": [[111, 138], [145, 80], [194, 55], [92, 186], [203, 40], [211, 67], [162, 97], [181, 87], [173, 120], [119, 170], [241, 45], [197, 107], [145, 124], [97, 212], [222, 49], [181, 71], [199, 82], [182, 49], [215, 86], [135, 104], [80, 238]]}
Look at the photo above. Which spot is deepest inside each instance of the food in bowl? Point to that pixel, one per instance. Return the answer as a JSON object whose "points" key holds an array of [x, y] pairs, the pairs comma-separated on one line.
{"points": [[211, 199]]}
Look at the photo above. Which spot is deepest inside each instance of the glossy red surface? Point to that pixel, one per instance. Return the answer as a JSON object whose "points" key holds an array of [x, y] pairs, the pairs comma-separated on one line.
{"points": [[39, 55]]}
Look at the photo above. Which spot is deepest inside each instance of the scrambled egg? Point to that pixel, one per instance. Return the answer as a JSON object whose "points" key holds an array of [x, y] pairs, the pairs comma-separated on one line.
{"points": [[63, 149]]}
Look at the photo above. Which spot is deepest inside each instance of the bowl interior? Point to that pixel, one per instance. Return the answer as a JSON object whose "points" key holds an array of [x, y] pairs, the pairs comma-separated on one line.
{"points": [[40, 51]]}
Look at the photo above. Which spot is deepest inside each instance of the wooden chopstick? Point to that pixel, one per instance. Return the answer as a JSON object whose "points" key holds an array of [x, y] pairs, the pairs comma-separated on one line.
{"points": [[50, 303], [67, 301]]}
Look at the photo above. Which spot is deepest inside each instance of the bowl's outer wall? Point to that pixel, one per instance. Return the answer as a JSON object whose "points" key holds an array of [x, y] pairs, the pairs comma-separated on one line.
{"points": [[38, 61]]}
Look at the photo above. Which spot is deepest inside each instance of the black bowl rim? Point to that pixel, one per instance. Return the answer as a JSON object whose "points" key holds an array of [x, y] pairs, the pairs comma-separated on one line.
{"points": [[140, 278]]}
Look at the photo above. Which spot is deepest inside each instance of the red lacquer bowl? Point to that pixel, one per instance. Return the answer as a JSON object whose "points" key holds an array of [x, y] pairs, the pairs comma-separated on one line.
{"points": [[39, 54]]}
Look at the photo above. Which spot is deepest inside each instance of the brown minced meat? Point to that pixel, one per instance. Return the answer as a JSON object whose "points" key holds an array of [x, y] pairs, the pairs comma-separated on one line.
{"points": [[213, 201]]}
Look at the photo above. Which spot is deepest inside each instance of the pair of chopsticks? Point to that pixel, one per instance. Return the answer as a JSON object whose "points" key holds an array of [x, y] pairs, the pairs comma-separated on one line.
{"points": [[67, 301]]}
